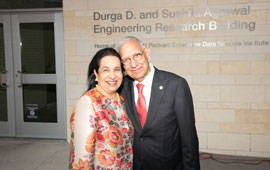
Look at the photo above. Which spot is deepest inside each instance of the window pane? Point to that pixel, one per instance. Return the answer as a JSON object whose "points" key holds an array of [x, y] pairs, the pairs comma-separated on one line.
{"points": [[39, 103], [2, 49], [3, 92], [37, 48], [3, 105]]}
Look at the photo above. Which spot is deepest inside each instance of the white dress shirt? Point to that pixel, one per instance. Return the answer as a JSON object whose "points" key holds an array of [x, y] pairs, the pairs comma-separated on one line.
{"points": [[147, 82]]}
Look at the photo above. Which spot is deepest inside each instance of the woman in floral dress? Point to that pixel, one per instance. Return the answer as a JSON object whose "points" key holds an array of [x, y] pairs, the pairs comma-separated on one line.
{"points": [[101, 133]]}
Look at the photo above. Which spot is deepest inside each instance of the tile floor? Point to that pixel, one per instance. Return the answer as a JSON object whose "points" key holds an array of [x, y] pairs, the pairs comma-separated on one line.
{"points": [[45, 154]]}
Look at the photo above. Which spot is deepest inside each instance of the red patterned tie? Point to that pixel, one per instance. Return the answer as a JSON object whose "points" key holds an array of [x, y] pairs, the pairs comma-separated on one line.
{"points": [[141, 105]]}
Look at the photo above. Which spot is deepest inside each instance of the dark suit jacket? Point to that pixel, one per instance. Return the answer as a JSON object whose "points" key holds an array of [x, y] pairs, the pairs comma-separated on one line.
{"points": [[168, 140]]}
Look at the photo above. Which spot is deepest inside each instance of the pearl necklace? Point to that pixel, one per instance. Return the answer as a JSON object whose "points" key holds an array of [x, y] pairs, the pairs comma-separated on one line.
{"points": [[115, 97]]}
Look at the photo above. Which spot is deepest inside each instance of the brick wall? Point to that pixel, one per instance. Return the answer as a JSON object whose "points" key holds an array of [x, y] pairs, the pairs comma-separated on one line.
{"points": [[230, 82]]}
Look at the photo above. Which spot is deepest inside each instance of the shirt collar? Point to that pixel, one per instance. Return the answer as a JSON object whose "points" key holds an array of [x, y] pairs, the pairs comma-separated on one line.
{"points": [[148, 79]]}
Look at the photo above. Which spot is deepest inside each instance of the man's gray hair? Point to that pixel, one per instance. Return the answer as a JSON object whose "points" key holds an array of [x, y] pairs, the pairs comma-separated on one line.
{"points": [[129, 38]]}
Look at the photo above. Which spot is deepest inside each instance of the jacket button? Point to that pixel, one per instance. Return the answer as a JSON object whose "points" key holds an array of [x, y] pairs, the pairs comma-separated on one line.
{"points": [[141, 139]]}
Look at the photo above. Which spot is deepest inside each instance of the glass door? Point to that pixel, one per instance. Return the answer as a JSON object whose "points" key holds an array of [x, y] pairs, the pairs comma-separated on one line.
{"points": [[7, 105], [38, 73]]}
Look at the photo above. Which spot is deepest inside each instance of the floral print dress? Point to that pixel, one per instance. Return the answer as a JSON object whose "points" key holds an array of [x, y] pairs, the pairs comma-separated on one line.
{"points": [[101, 134]]}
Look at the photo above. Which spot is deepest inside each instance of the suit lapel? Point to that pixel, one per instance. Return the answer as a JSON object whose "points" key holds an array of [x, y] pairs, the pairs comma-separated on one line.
{"points": [[157, 91], [131, 108]]}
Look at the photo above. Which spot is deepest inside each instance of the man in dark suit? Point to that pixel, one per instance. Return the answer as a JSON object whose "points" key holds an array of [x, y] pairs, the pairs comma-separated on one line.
{"points": [[162, 112]]}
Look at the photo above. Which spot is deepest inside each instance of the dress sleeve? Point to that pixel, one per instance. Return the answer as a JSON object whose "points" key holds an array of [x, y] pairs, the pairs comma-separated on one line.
{"points": [[83, 135]]}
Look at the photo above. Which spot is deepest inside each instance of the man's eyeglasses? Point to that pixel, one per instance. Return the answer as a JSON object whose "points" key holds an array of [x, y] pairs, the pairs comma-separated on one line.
{"points": [[136, 57]]}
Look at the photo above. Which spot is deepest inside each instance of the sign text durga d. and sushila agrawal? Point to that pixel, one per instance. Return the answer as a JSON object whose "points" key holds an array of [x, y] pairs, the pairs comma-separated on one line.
{"points": [[154, 24]]}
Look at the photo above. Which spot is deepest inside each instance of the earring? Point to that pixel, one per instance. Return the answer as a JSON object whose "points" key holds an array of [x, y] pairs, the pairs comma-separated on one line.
{"points": [[96, 80]]}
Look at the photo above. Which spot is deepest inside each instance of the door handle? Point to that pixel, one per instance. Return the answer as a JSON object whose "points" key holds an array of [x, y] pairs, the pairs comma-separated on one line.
{"points": [[20, 80], [3, 79], [3, 72]]}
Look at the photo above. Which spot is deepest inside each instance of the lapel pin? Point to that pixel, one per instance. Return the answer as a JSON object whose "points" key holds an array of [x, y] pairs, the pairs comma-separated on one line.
{"points": [[160, 87]]}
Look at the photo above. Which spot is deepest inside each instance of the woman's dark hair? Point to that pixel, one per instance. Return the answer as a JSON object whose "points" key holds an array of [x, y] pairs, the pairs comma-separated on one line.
{"points": [[95, 63]]}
